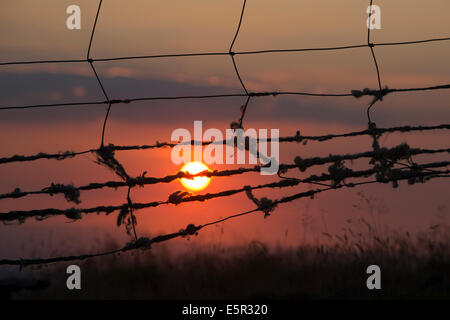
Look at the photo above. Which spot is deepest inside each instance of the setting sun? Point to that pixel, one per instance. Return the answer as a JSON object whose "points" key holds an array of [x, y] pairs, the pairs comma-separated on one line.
{"points": [[198, 183]]}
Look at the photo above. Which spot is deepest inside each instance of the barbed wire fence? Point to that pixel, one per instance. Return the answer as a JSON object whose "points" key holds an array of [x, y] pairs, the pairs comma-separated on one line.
{"points": [[387, 165]]}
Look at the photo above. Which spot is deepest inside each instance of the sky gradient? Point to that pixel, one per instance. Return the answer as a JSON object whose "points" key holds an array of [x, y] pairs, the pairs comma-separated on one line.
{"points": [[33, 30]]}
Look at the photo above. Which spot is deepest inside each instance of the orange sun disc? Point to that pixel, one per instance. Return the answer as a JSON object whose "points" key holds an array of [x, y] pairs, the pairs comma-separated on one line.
{"points": [[198, 183]]}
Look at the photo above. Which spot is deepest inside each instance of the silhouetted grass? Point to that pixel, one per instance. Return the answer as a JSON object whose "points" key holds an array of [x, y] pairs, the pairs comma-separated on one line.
{"points": [[412, 268]]}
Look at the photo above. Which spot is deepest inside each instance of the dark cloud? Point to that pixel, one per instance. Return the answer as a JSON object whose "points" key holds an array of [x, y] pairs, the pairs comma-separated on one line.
{"points": [[35, 88]]}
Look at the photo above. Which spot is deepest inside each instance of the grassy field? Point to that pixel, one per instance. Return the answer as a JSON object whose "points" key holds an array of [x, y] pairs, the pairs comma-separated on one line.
{"points": [[412, 267]]}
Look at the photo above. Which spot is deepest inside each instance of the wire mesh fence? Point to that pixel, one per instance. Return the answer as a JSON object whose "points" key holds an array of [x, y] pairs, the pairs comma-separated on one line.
{"points": [[386, 165]]}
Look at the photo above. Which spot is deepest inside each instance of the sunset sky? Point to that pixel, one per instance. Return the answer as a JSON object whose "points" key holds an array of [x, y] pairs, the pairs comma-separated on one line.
{"points": [[36, 30]]}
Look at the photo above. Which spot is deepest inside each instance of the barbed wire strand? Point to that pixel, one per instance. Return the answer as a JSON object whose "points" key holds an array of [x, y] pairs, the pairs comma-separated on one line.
{"points": [[296, 138], [353, 93]]}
